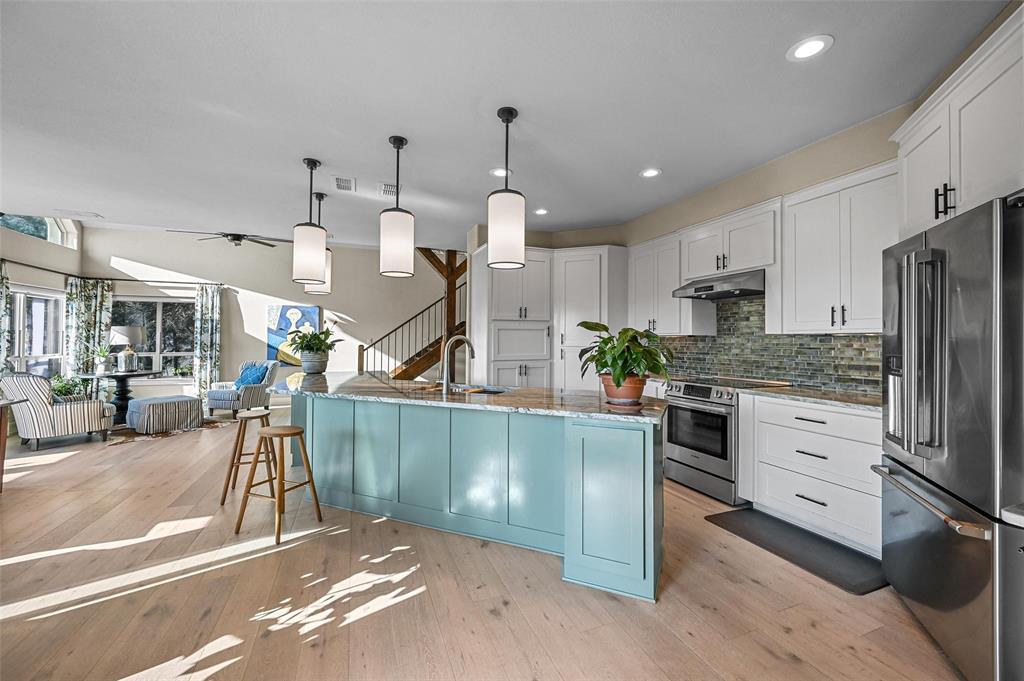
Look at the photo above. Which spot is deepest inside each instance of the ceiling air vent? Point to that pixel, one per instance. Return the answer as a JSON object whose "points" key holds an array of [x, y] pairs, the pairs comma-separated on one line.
{"points": [[386, 190], [345, 184]]}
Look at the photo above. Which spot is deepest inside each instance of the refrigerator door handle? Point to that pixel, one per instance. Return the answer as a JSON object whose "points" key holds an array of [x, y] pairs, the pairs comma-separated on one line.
{"points": [[908, 331], [961, 527], [929, 341]]}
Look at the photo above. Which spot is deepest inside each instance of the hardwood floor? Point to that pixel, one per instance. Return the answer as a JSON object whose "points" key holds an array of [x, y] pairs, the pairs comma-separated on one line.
{"points": [[119, 562]]}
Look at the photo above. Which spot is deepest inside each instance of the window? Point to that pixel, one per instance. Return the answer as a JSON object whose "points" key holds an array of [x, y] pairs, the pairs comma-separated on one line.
{"points": [[37, 331], [168, 327], [54, 230]]}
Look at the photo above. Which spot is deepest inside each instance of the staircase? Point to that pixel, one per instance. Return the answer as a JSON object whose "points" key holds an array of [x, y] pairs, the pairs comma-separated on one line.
{"points": [[413, 348]]}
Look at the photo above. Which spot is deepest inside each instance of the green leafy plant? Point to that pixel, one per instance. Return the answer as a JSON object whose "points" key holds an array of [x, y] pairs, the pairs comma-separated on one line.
{"points": [[66, 387], [313, 341], [628, 353], [101, 350]]}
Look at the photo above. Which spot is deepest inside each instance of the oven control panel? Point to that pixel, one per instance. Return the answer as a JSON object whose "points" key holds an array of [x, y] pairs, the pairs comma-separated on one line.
{"points": [[701, 392]]}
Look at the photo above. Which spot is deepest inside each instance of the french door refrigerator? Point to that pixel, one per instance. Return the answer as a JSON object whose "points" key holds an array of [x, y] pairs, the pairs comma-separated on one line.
{"points": [[953, 445]]}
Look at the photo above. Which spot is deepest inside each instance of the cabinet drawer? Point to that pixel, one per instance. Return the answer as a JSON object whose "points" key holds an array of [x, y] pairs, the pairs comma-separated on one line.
{"points": [[844, 462], [821, 420], [520, 340], [844, 513]]}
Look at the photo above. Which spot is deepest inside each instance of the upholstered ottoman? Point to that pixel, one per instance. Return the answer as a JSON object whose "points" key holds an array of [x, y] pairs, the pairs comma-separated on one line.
{"points": [[161, 414]]}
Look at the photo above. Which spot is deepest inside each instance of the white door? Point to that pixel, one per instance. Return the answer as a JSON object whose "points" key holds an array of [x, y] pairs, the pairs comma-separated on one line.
{"points": [[667, 310], [642, 309], [810, 266], [986, 124], [749, 242], [507, 294], [535, 375], [702, 251], [537, 286], [578, 290], [520, 340], [923, 168], [505, 373], [868, 224], [569, 368]]}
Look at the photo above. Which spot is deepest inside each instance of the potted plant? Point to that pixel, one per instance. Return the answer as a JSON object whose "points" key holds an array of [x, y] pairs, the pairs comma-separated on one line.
{"points": [[66, 387], [101, 358], [624, 361], [312, 348]]}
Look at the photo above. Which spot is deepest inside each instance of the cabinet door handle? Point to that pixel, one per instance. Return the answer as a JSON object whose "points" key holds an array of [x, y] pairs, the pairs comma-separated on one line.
{"points": [[547, 333], [813, 501], [654, 325], [525, 369], [526, 312], [563, 339], [810, 420], [725, 261], [816, 456], [946, 191], [937, 213], [833, 315], [563, 353], [718, 258], [842, 315]]}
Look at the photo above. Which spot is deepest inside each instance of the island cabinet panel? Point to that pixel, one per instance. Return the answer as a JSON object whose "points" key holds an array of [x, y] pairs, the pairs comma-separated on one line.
{"points": [[536, 472], [613, 508], [375, 463], [423, 456], [479, 464], [331, 448]]}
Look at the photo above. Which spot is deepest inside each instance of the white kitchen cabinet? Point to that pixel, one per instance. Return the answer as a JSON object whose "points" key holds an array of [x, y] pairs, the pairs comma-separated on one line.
{"points": [[968, 137], [743, 240], [524, 293], [520, 341], [833, 237], [655, 273], [523, 374], [578, 293], [567, 371]]}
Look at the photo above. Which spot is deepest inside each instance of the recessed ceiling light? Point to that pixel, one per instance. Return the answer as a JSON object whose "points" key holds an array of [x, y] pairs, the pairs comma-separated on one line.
{"points": [[541, 211], [650, 172], [809, 47], [500, 172]]}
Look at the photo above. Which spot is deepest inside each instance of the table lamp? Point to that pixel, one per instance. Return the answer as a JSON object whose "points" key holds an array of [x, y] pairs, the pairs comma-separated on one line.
{"points": [[127, 336]]}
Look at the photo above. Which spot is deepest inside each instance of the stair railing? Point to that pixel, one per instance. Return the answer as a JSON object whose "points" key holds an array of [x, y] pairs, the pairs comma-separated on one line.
{"points": [[384, 356]]}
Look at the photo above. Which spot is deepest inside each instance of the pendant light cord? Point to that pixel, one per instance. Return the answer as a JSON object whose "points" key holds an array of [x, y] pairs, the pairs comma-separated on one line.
{"points": [[398, 161], [319, 205], [506, 156], [311, 193]]}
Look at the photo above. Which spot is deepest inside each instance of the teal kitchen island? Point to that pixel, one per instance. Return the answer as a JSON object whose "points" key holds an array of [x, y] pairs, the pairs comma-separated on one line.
{"points": [[543, 469]]}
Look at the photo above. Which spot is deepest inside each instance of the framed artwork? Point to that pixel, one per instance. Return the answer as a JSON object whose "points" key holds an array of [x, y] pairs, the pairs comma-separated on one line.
{"points": [[284, 320]]}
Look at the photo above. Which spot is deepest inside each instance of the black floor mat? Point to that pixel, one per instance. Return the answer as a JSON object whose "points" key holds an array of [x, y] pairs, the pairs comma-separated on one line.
{"points": [[850, 570]]}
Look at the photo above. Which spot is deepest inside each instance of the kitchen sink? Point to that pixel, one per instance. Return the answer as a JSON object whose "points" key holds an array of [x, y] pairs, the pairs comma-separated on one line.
{"points": [[466, 388]]}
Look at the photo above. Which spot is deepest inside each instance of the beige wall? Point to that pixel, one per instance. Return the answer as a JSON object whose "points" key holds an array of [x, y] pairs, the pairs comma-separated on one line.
{"points": [[363, 306], [34, 251]]}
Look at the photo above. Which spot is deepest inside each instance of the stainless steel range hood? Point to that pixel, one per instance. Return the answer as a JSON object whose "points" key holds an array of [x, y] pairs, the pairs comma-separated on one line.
{"points": [[723, 287]]}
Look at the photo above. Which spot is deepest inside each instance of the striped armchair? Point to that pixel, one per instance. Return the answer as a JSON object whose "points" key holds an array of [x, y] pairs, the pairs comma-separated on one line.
{"points": [[227, 396], [44, 415]]}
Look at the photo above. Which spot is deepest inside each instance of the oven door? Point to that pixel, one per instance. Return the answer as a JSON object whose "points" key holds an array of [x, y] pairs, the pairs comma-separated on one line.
{"points": [[701, 435]]}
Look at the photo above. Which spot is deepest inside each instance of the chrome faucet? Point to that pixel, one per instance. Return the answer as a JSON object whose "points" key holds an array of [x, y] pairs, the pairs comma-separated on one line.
{"points": [[445, 380]]}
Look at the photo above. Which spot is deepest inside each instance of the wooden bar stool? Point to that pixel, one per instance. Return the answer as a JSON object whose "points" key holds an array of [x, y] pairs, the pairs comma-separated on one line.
{"points": [[238, 456], [265, 448]]}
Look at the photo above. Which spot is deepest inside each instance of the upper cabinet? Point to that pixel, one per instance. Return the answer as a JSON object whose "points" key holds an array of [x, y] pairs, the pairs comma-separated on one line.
{"points": [[524, 293], [655, 271], [743, 240], [965, 144], [833, 236]]}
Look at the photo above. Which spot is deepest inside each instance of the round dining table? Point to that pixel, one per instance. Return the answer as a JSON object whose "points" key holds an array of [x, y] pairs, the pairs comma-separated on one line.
{"points": [[122, 389]]}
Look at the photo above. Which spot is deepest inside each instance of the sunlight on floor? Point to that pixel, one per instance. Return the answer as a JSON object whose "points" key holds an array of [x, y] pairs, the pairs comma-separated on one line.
{"points": [[180, 668], [37, 460], [8, 477], [159, 531]]}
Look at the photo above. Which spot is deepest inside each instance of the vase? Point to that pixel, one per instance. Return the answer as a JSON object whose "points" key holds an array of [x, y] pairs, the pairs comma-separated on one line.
{"points": [[628, 394], [313, 362], [99, 365]]}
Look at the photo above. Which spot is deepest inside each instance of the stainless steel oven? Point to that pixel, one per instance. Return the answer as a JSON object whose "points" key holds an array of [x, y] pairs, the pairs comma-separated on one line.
{"points": [[700, 442]]}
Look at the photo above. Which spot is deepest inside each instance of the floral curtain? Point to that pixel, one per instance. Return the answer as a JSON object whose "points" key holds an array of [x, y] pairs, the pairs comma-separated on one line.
{"points": [[206, 360], [87, 305], [5, 317]]}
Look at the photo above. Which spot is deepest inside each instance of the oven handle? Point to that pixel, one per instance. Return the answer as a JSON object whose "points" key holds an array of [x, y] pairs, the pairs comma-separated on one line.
{"points": [[962, 527], [699, 406]]}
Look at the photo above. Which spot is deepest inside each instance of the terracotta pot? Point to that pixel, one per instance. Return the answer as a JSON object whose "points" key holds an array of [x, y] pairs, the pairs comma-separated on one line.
{"points": [[630, 393]]}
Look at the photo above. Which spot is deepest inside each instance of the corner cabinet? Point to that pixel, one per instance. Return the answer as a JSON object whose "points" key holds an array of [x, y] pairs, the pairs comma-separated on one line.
{"points": [[743, 240], [654, 272], [965, 144], [833, 236]]}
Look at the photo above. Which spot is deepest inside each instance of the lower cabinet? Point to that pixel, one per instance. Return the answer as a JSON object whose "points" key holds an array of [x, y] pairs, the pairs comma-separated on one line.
{"points": [[536, 472], [424, 456], [521, 374]]}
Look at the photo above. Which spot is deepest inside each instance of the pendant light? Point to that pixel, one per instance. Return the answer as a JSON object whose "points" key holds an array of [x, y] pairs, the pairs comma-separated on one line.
{"points": [[325, 288], [397, 228], [506, 216], [309, 241]]}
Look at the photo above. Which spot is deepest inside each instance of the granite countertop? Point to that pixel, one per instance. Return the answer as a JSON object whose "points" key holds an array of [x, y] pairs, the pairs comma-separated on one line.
{"points": [[861, 401], [542, 401]]}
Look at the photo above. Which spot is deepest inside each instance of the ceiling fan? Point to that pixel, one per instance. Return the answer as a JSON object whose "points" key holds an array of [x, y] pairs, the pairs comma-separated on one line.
{"points": [[235, 239]]}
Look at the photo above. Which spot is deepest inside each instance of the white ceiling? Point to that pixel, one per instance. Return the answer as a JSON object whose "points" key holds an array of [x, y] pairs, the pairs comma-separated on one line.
{"points": [[196, 115]]}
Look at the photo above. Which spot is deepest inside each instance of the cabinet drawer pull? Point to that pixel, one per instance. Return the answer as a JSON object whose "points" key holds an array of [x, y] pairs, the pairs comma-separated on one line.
{"points": [[816, 456], [813, 501], [810, 420]]}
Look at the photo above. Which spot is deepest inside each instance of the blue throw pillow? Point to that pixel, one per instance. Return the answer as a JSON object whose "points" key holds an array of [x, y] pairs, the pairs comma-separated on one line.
{"points": [[253, 375]]}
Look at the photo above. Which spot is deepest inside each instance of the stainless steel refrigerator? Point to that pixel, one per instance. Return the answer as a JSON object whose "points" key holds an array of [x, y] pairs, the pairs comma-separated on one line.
{"points": [[953, 445]]}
